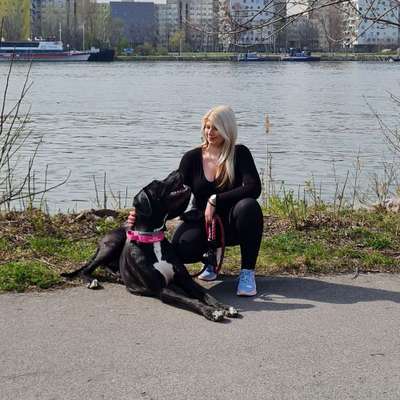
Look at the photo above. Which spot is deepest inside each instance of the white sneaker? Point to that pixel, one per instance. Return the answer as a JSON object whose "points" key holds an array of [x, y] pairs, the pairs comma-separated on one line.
{"points": [[208, 274], [247, 283]]}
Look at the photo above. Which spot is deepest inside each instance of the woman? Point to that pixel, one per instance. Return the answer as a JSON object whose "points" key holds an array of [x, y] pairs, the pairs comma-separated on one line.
{"points": [[224, 180]]}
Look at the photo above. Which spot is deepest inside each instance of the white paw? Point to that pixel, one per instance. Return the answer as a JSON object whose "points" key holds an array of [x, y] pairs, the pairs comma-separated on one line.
{"points": [[94, 284], [232, 312], [217, 315]]}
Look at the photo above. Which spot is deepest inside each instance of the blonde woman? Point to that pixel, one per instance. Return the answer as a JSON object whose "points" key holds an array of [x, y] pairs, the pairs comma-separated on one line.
{"points": [[224, 180]]}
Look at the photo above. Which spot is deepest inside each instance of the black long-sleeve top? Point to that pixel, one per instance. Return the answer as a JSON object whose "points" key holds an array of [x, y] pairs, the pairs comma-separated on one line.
{"points": [[247, 182]]}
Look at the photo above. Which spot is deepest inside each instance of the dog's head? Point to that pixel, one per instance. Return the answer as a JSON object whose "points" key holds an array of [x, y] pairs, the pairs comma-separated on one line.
{"points": [[162, 200]]}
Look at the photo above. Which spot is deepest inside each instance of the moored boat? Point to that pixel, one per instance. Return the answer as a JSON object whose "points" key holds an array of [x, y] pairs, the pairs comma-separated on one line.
{"points": [[251, 56], [39, 50], [297, 55], [102, 55]]}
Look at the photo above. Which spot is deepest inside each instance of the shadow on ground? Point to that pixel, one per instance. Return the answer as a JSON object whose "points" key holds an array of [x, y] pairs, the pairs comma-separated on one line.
{"points": [[278, 293]]}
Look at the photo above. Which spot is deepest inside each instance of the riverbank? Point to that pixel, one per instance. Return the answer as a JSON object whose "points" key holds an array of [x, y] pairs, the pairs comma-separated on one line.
{"points": [[35, 247], [201, 57]]}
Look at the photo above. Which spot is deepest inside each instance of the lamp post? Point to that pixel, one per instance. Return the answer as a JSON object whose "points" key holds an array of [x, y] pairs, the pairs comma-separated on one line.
{"points": [[83, 36]]}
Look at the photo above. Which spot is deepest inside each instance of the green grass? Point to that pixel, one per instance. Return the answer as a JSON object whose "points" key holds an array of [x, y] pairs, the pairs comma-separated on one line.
{"points": [[298, 239], [368, 238], [4, 244], [321, 250], [74, 251], [22, 275]]}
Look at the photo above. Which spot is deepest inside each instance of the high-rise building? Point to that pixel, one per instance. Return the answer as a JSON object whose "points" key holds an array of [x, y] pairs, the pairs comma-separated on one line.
{"points": [[203, 24], [138, 20], [366, 35], [249, 24], [197, 19], [171, 18], [15, 18]]}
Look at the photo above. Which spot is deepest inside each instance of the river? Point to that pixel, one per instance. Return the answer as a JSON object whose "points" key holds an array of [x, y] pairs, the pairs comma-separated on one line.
{"points": [[133, 121]]}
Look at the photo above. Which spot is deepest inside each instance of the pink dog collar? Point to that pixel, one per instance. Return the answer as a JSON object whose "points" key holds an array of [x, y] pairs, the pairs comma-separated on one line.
{"points": [[145, 237]]}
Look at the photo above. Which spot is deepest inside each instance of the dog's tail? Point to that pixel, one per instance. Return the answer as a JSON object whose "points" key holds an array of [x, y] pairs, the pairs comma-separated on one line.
{"points": [[75, 273]]}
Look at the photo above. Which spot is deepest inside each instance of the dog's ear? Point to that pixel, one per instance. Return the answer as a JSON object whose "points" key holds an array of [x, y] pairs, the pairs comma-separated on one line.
{"points": [[142, 203]]}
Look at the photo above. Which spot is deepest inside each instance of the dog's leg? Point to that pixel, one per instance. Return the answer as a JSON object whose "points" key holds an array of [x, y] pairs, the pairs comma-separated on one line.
{"points": [[171, 297], [108, 252], [138, 291], [193, 289]]}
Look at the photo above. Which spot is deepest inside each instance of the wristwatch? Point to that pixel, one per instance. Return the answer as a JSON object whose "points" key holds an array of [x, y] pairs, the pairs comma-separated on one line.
{"points": [[213, 200]]}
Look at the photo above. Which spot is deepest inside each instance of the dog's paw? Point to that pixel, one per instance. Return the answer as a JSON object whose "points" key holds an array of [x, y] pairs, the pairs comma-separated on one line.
{"points": [[231, 312], [94, 284], [217, 315]]}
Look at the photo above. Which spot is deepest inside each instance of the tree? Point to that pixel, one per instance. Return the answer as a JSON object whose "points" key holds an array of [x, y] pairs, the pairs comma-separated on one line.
{"points": [[339, 17], [302, 34], [53, 18], [15, 23], [92, 25], [18, 180], [330, 23], [145, 49], [177, 40]]}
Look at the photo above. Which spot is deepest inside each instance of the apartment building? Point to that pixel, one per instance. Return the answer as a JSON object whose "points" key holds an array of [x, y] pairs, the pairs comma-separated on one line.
{"points": [[251, 24], [198, 19], [171, 17], [362, 34], [203, 24]]}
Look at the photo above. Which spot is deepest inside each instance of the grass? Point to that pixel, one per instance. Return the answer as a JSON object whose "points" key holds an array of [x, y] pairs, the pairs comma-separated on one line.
{"points": [[59, 249], [298, 239], [20, 276], [330, 244]]}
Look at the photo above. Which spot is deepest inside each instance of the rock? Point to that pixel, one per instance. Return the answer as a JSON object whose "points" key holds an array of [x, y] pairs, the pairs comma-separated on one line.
{"points": [[392, 204]]}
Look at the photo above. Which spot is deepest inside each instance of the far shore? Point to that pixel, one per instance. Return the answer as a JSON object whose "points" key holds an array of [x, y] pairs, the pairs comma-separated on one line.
{"points": [[200, 57]]}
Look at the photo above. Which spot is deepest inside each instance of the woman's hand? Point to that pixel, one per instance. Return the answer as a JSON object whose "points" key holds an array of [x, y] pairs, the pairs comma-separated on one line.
{"points": [[209, 213], [131, 218]]}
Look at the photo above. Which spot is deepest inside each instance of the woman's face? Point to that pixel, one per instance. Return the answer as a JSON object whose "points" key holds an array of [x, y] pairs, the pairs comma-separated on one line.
{"points": [[213, 136]]}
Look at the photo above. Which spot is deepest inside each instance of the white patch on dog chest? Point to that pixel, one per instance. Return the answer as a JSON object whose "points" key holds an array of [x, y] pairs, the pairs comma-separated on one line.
{"points": [[166, 269]]}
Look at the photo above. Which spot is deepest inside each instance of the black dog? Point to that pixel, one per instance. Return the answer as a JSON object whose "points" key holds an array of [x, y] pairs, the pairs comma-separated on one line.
{"points": [[147, 262]]}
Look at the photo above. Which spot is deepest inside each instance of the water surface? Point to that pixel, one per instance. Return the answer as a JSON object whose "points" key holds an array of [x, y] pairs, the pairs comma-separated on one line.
{"points": [[135, 120]]}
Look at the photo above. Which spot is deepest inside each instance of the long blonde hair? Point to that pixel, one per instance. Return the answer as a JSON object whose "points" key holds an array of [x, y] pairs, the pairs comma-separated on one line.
{"points": [[224, 120]]}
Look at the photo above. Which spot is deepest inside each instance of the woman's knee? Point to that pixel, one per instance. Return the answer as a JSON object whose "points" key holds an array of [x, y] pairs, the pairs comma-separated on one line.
{"points": [[188, 242], [248, 208]]}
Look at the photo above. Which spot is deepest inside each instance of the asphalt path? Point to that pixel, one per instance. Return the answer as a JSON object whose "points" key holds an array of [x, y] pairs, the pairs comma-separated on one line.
{"points": [[299, 338]]}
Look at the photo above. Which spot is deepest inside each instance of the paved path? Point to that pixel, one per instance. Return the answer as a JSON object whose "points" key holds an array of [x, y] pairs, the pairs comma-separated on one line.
{"points": [[300, 338]]}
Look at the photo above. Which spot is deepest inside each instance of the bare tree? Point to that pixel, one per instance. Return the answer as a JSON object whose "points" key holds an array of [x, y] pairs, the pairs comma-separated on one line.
{"points": [[18, 180], [302, 34], [330, 23], [53, 18], [391, 134], [336, 17]]}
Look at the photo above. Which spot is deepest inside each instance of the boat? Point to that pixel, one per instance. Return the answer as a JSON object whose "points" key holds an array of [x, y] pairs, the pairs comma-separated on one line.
{"points": [[251, 56], [297, 55], [40, 50], [101, 55]]}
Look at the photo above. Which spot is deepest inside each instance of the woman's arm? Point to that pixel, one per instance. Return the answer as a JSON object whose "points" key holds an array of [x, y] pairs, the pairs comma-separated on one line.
{"points": [[251, 183], [186, 167]]}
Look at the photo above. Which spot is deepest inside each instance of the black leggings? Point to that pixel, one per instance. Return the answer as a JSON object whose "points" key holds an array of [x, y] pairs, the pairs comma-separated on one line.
{"points": [[243, 225]]}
